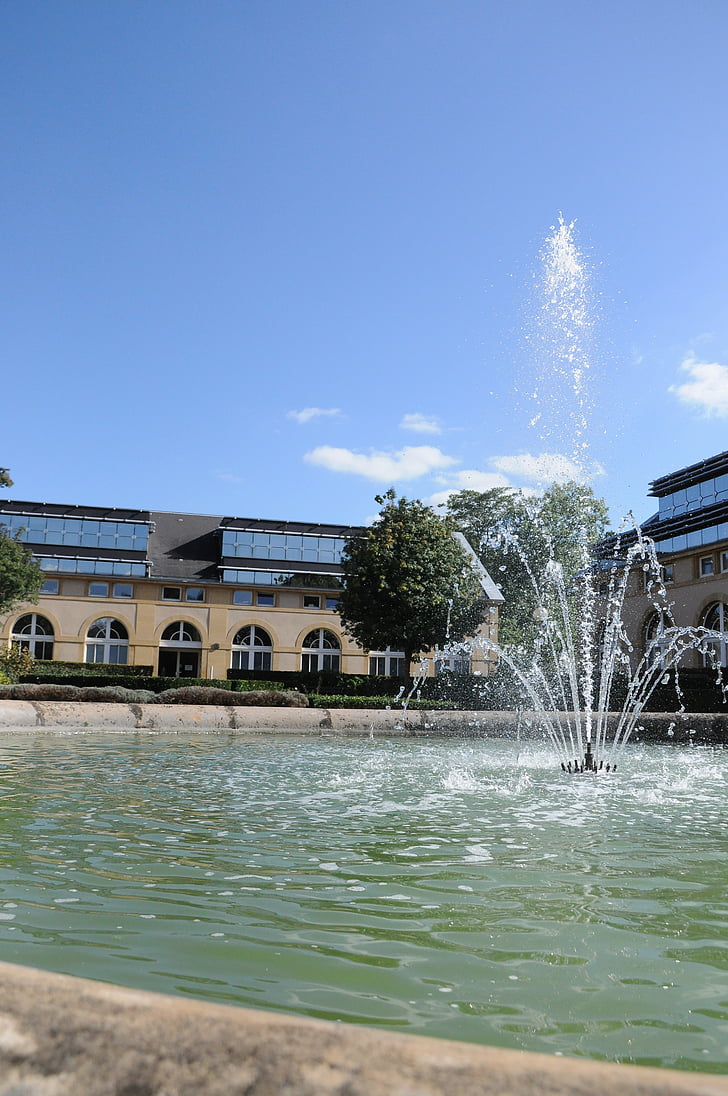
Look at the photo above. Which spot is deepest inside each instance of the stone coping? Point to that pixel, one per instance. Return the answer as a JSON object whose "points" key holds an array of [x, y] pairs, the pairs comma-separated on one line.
{"points": [[66, 1036], [33, 715]]}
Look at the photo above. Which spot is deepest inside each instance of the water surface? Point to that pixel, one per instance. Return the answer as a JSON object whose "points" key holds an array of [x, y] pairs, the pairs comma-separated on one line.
{"points": [[464, 890]]}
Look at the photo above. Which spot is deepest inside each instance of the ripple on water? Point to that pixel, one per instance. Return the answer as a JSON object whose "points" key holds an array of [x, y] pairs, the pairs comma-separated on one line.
{"points": [[467, 890]]}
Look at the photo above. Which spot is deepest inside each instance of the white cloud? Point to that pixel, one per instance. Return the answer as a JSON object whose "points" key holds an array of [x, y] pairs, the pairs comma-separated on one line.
{"points": [[230, 477], [309, 413], [519, 473], [545, 468], [420, 424], [708, 389], [406, 464]]}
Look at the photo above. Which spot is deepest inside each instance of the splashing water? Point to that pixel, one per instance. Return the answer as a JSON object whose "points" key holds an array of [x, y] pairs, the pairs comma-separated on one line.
{"points": [[560, 335], [582, 656]]}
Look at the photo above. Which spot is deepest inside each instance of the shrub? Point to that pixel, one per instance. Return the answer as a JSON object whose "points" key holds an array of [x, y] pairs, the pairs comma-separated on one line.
{"points": [[38, 692], [195, 694], [317, 700], [114, 694], [15, 662]]}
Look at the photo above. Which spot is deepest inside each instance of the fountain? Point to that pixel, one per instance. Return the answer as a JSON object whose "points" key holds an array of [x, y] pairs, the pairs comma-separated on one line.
{"points": [[582, 651], [436, 887]]}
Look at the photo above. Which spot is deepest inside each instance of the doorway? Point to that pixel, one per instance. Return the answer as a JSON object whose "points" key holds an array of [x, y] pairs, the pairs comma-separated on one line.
{"points": [[178, 663]]}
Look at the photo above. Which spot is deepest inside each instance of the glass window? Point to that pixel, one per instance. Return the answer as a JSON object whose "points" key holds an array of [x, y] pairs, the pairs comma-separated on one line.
{"points": [[181, 632], [107, 640], [332, 603], [706, 566], [655, 645], [91, 566], [123, 589], [387, 663], [292, 546], [34, 634], [668, 572], [265, 599], [243, 597], [311, 601], [252, 649], [452, 665], [171, 593], [98, 589], [321, 651], [715, 618], [50, 586], [194, 593]]}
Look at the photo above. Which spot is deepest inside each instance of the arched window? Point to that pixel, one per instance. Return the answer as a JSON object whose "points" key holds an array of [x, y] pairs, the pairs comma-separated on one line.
{"points": [[34, 634], [387, 663], [107, 640], [715, 617], [179, 650], [252, 649], [321, 651], [181, 632]]}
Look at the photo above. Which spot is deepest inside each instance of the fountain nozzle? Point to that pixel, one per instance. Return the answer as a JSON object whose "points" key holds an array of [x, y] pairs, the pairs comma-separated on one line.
{"points": [[589, 761], [589, 764]]}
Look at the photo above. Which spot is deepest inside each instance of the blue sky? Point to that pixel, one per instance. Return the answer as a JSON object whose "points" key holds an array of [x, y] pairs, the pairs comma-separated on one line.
{"points": [[269, 257]]}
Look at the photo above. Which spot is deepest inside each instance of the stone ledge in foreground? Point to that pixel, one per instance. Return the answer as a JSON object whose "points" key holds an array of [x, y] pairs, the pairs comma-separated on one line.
{"points": [[64, 1036], [34, 715]]}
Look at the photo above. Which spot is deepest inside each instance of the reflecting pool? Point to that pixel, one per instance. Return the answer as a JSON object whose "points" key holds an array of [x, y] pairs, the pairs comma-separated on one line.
{"points": [[449, 888]]}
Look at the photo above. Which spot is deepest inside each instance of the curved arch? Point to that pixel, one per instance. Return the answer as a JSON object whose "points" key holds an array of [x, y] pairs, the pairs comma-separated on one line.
{"points": [[33, 633], [252, 648], [180, 644], [320, 650], [107, 640], [181, 631]]}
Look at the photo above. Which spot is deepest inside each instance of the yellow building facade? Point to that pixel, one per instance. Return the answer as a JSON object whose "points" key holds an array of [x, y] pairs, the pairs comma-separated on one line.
{"points": [[189, 595]]}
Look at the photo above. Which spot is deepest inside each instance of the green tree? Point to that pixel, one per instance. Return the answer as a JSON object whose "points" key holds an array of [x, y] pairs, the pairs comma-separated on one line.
{"points": [[408, 583], [20, 576], [516, 537]]}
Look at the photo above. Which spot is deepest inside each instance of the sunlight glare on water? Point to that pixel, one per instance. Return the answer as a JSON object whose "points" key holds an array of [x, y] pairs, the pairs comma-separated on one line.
{"points": [[464, 889]]}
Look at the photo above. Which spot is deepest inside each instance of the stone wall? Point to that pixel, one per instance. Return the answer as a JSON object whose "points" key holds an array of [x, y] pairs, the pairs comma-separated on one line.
{"points": [[63, 1036], [22, 715]]}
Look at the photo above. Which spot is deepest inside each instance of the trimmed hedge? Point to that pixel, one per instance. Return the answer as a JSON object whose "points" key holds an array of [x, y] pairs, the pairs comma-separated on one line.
{"points": [[44, 670], [328, 682], [118, 694], [151, 684], [193, 694], [702, 691], [381, 703]]}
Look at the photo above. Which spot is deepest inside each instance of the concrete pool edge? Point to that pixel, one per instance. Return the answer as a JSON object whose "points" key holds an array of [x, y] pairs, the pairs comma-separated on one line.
{"points": [[67, 1036], [34, 715]]}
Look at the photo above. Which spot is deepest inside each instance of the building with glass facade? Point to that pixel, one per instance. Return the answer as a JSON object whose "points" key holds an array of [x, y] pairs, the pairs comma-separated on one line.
{"points": [[690, 533], [190, 595]]}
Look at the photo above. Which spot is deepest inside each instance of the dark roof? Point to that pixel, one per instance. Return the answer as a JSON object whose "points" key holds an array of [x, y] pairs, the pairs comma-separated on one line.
{"points": [[686, 477], [184, 547], [64, 510], [268, 525]]}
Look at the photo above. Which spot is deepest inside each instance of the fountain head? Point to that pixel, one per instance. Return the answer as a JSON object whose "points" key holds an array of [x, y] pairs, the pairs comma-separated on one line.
{"points": [[588, 764]]}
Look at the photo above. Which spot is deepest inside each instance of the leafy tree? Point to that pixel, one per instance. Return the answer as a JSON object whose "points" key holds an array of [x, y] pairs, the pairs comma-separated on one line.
{"points": [[516, 537], [20, 576], [408, 583]]}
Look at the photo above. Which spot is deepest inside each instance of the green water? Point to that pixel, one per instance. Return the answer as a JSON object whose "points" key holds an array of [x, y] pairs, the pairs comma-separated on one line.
{"points": [[445, 888]]}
